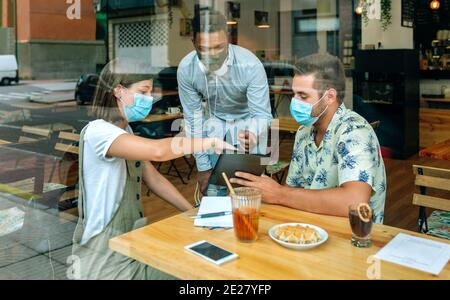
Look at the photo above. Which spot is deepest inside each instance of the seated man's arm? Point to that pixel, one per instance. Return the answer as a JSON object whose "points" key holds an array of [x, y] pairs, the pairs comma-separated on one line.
{"points": [[332, 201]]}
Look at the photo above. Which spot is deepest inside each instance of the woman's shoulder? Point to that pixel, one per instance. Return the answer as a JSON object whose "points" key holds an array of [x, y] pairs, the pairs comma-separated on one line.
{"points": [[103, 128], [100, 124]]}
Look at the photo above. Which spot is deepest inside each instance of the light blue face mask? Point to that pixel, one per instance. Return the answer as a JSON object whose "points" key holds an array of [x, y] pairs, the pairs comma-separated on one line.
{"points": [[301, 111], [140, 109]]}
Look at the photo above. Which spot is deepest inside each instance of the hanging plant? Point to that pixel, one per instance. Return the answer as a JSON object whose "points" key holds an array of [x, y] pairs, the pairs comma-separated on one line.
{"points": [[386, 17]]}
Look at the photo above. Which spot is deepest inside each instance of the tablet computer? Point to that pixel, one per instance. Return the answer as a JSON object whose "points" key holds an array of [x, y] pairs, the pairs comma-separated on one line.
{"points": [[232, 163]]}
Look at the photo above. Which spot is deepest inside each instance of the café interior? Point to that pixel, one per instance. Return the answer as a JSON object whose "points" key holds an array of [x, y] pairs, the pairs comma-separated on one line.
{"points": [[396, 60]]}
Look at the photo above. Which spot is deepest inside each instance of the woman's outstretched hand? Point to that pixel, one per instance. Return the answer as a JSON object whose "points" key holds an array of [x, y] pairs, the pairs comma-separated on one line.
{"points": [[219, 146]]}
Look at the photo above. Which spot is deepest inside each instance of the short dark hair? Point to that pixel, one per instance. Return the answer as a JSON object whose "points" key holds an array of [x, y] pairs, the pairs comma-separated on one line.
{"points": [[328, 72], [208, 21], [120, 71]]}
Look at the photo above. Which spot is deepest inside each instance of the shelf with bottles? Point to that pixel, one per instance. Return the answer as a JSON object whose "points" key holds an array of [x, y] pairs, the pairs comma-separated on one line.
{"points": [[434, 55]]}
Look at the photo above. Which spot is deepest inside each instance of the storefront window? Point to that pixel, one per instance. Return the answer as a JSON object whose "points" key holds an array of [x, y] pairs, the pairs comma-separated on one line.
{"points": [[165, 67]]}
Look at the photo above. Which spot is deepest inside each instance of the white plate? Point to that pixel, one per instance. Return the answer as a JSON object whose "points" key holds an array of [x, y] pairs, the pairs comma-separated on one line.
{"points": [[323, 237]]}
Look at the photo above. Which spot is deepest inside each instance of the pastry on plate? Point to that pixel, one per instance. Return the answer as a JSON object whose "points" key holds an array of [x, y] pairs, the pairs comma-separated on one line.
{"points": [[297, 234]]}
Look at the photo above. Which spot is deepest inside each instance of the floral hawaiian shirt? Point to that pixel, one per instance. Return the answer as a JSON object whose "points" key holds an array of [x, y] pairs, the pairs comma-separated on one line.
{"points": [[349, 151]]}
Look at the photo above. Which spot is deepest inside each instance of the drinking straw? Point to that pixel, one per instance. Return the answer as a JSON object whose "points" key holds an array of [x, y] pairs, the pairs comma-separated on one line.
{"points": [[225, 177]]}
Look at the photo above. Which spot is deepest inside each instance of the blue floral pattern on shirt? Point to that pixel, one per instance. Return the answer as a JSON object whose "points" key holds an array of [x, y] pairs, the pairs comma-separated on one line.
{"points": [[349, 151]]}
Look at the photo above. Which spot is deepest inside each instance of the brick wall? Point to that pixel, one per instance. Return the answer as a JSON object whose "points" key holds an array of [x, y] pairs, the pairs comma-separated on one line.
{"points": [[47, 20]]}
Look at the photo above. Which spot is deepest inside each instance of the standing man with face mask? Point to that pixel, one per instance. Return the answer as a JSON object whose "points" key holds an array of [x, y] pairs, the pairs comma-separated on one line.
{"points": [[336, 160], [221, 85]]}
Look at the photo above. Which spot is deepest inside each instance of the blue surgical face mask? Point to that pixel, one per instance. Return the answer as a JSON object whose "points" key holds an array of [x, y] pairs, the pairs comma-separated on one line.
{"points": [[301, 111], [140, 109]]}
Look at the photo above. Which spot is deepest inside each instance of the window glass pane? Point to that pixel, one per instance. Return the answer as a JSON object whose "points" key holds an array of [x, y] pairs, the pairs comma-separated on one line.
{"points": [[79, 79]]}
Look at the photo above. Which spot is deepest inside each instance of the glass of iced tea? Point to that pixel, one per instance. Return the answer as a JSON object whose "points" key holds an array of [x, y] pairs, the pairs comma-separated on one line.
{"points": [[360, 217], [246, 205]]}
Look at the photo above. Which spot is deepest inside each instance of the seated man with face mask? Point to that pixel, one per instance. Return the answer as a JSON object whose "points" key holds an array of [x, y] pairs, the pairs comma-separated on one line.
{"points": [[224, 92], [336, 160]]}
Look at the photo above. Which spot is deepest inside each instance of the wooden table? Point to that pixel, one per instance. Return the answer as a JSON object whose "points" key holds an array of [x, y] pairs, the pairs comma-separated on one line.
{"points": [[161, 245], [436, 99], [439, 151], [285, 124], [163, 117], [26, 104], [434, 126], [165, 93]]}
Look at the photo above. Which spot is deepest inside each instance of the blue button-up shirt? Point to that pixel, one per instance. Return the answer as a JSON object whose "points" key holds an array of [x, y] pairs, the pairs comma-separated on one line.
{"points": [[211, 103]]}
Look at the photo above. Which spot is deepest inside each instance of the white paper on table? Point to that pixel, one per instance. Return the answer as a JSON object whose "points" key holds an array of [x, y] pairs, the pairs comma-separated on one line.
{"points": [[417, 253], [212, 205]]}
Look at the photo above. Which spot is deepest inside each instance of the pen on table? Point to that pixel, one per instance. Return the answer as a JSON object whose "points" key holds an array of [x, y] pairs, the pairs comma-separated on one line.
{"points": [[218, 227], [212, 215]]}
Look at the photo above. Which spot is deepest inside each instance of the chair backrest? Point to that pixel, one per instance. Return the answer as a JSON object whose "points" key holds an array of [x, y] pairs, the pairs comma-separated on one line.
{"points": [[429, 177], [375, 124], [64, 146], [33, 134]]}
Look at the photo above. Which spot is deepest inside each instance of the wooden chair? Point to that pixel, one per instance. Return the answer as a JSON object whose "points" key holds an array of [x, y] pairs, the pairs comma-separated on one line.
{"points": [[68, 145], [429, 177], [375, 125], [33, 134], [72, 147], [4, 142], [18, 174], [177, 127], [32, 171]]}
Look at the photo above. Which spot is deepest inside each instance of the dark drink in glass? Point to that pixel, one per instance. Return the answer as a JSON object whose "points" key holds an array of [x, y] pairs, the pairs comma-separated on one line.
{"points": [[360, 217]]}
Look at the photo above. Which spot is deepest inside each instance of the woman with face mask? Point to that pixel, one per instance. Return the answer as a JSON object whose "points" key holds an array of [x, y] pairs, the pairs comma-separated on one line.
{"points": [[113, 163]]}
